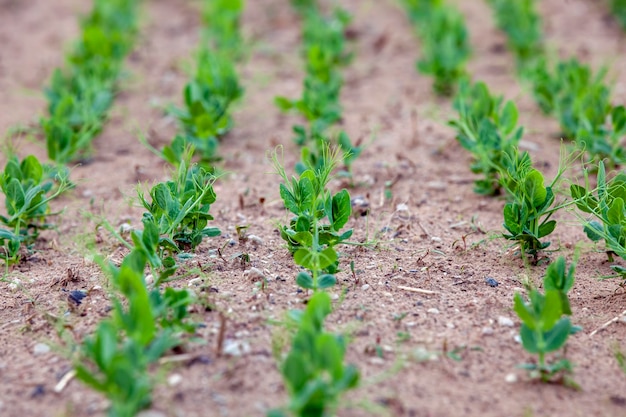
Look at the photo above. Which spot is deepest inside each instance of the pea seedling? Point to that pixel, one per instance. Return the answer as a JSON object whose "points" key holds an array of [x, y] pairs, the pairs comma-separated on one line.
{"points": [[28, 189], [314, 370], [488, 129], [312, 242], [544, 330]]}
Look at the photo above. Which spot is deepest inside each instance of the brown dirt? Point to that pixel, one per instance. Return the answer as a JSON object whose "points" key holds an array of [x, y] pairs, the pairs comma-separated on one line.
{"points": [[391, 108]]}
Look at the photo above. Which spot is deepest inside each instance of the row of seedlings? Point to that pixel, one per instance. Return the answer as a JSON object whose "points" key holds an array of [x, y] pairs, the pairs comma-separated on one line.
{"points": [[313, 370], [148, 318], [569, 90], [582, 103], [80, 95], [324, 51], [445, 42], [208, 97]]}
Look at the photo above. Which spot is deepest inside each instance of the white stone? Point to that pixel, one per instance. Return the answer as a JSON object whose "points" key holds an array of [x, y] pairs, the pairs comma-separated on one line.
{"points": [[402, 207], [511, 378], [255, 240], [254, 273], [486, 331], [174, 379], [235, 347], [450, 325], [365, 287], [41, 349], [505, 321], [432, 311]]}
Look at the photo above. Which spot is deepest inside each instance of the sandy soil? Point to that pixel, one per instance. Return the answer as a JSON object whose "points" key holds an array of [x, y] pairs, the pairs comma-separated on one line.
{"points": [[444, 241]]}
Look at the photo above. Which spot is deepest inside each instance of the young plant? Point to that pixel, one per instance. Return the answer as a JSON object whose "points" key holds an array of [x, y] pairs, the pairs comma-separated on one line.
{"points": [[581, 102], [319, 217], [488, 129], [80, 95], [522, 25], [221, 21], [144, 324], [544, 329], [445, 42], [180, 208], [208, 99], [314, 371], [527, 216], [28, 188], [607, 204]]}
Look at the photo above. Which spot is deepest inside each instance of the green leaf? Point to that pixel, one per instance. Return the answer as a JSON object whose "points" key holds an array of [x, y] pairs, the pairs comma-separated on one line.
{"points": [[529, 339], [615, 214], [555, 337], [552, 310], [584, 201], [534, 188], [508, 118], [341, 209], [305, 280], [326, 281], [524, 312], [594, 230], [546, 228]]}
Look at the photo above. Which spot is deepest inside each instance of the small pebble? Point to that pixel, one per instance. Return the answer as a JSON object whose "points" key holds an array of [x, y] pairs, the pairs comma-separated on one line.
{"points": [[435, 239], [402, 207], [255, 274], [149, 279], [511, 378], [77, 296], [235, 347], [377, 361], [505, 321], [486, 331], [125, 228], [450, 325], [194, 282], [432, 311], [436, 185], [255, 240], [41, 349], [174, 379], [491, 282], [365, 287], [334, 297]]}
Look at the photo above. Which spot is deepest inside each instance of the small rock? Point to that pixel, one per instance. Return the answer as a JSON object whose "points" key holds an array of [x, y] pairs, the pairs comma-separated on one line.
{"points": [[432, 311], [486, 331], [365, 287], [360, 205], [255, 274], [402, 207], [334, 297], [125, 228], [505, 321], [436, 185], [377, 361], [77, 296], [149, 279], [255, 240], [174, 379], [435, 239], [517, 338], [450, 325], [235, 347], [511, 378], [41, 349], [194, 282], [491, 282]]}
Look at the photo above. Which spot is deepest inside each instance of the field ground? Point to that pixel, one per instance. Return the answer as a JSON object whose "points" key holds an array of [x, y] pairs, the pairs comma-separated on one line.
{"points": [[434, 234]]}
